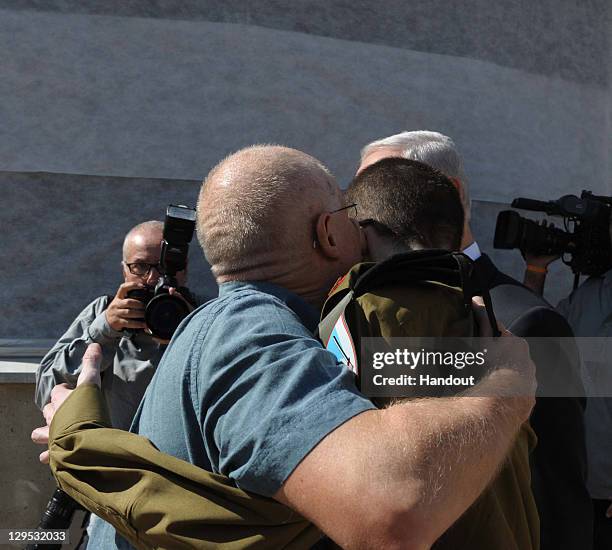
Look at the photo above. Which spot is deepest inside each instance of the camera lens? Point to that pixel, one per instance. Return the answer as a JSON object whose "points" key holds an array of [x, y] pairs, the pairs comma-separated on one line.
{"points": [[164, 314]]}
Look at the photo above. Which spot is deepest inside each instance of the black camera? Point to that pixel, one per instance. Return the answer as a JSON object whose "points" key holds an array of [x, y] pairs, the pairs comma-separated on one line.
{"points": [[57, 515], [164, 311], [584, 243]]}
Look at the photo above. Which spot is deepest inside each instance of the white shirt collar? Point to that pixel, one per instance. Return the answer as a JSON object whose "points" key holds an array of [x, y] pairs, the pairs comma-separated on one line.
{"points": [[473, 251]]}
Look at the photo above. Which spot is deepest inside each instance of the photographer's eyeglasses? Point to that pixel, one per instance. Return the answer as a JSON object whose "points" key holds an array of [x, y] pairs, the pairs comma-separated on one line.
{"points": [[141, 269]]}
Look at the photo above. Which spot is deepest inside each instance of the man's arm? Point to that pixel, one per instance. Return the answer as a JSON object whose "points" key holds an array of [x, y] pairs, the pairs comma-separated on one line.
{"points": [[394, 477], [536, 269], [153, 499], [401, 476], [156, 500], [62, 364], [101, 322]]}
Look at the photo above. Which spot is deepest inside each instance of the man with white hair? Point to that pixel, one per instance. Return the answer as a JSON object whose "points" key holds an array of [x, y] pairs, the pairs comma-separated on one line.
{"points": [[559, 460], [246, 391]]}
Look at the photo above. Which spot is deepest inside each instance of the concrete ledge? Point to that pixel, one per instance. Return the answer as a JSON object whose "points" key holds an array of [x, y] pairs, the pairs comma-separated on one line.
{"points": [[19, 359], [13, 372]]}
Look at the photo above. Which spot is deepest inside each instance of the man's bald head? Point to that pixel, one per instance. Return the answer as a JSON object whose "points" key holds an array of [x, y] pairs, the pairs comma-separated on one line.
{"points": [[257, 208], [142, 245], [145, 232]]}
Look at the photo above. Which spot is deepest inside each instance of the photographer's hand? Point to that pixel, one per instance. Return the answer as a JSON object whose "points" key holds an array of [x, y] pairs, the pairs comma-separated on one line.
{"points": [[536, 268], [90, 374], [124, 312]]}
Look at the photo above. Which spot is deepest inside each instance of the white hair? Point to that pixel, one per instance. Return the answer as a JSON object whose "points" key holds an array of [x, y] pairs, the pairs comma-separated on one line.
{"points": [[432, 148]]}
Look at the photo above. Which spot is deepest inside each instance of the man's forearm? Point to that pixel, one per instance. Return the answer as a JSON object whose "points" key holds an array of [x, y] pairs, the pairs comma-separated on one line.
{"points": [[535, 280], [458, 445], [403, 475]]}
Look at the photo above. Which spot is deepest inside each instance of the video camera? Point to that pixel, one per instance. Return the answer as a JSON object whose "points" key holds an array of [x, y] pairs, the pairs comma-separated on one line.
{"points": [[585, 237], [164, 311]]}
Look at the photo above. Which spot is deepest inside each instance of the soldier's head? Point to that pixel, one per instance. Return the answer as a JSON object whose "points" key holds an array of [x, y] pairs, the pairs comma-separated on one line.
{"points": [[271, 213], [432, 148], [141, 254], [406, 205]]}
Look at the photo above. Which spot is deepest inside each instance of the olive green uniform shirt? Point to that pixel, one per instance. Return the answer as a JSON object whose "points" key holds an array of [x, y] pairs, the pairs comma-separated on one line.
{"points": [[505, 516]]}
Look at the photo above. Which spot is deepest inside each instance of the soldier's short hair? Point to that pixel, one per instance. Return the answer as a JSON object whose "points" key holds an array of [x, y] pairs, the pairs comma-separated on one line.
{"points": [[414, 203]]}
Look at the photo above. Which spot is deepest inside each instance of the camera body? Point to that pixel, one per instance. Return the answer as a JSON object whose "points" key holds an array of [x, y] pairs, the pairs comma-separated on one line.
{"points": [[164, 311], [584, 243]]}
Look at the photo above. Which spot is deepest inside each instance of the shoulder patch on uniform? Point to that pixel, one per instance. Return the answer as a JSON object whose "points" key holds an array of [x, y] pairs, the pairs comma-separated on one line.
{"points": [[341, 344]]}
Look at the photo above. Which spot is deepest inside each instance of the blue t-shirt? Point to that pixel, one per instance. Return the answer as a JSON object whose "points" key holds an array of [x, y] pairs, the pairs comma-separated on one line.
{"points": [[245, 390]]}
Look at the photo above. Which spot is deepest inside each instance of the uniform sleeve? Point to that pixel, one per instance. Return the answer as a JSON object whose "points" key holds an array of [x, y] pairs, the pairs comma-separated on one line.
{"points": [[63, 362], [271, 396], [155, 500]]}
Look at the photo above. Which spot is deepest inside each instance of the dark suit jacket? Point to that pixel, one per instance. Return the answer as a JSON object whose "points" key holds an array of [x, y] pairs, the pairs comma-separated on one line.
{"points": [[558, 463]]}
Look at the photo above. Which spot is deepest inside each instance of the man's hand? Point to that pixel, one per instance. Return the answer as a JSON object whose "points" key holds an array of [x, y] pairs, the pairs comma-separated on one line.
{"points": [[609, 510], [124, 312], [515, 374], [90, 374], [536, 269]]}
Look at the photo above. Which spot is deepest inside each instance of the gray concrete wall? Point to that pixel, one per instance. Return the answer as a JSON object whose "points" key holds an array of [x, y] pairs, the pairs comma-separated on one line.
{"points": [[140, 97], [26, 485], [63, 244]]}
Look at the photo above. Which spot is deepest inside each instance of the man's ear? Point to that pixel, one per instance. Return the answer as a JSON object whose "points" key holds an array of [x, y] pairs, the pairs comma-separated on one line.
{"points": [[326, 241]]}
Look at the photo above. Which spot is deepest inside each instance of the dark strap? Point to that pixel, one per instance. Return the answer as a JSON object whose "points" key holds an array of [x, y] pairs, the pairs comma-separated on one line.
{"points": [[450, 268], [486, 298]]}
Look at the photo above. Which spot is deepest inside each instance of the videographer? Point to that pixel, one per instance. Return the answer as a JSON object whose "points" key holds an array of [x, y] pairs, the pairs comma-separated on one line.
{"points": [[130, 353], [588, 310]]}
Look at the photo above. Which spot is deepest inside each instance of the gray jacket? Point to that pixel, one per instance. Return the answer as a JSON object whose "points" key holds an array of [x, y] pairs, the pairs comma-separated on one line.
{"points": [[133, 358]]}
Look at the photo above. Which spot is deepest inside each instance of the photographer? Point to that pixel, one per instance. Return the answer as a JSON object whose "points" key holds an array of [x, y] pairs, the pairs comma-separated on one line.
{"points": [[117, 324], [588, 310], [130, 353]]}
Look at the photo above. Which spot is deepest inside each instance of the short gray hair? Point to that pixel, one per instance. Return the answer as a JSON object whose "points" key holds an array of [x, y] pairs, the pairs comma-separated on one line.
{"points": [[432, 148], [265, 212]]}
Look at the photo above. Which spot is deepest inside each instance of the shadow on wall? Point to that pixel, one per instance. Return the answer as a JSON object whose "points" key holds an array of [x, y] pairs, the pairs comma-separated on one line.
{"points": [[66, 233], [65, 239]]}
